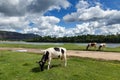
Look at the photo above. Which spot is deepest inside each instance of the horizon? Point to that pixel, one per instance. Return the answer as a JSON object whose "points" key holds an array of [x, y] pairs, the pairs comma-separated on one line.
{"points": [[60, 17]]}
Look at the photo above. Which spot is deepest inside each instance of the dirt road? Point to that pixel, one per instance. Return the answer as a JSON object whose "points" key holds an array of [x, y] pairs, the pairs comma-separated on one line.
{"points": [[89, 54]]}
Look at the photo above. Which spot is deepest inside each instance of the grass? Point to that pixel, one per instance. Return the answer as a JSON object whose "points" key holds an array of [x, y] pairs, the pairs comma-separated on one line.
{"points": [[117, 49], [69, 46], [22, 66]]}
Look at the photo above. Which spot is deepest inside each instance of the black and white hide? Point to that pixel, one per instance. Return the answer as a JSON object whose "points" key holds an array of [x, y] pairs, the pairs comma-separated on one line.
{"points": [[101, 46], [50, 53]]}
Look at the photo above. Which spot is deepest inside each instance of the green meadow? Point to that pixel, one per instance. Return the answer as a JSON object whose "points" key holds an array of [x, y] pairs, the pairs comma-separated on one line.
{"points": [[68, 46], [23, 66]]}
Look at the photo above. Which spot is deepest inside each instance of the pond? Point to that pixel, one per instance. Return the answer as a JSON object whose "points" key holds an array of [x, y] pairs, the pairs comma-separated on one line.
{"points": [[112, 45]]}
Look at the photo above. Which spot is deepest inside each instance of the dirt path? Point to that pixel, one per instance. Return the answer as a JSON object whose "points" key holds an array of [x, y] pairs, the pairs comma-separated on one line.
{"points": [[89, 54]]}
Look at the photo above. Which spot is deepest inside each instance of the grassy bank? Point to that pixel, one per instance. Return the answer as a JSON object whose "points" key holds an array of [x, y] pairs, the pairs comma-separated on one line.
{"points": [[68, 46], [22, 66]]}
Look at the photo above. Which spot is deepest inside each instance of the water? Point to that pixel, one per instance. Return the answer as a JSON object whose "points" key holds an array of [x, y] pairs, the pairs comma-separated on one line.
{"points": [[112, 45], [32, 43]]}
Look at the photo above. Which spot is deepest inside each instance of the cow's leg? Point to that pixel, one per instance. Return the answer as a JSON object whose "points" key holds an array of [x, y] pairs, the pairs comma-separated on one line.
{"points": [[65, 60], [95, 46], [87, 47], [49, 61]]}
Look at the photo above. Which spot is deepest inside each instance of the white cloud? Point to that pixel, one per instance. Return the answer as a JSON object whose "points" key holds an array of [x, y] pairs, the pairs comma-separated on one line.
{"points": [[23, 7], [27, 17], [45, 25], [44, 22], [82, 4], [8, 20], [98, 20], [17, 24], [92, 13]]}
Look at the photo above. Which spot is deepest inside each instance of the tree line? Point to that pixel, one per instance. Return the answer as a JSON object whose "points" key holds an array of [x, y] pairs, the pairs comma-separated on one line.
{"points": [[79, 39]]}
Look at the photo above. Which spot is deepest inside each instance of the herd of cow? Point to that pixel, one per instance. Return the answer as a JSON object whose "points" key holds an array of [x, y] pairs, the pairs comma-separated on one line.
{"points": [[60, 52], [94, 44]]}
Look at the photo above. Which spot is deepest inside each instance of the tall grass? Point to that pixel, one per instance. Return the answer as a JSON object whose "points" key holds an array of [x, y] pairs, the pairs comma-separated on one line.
{"points": [[23, 66]]}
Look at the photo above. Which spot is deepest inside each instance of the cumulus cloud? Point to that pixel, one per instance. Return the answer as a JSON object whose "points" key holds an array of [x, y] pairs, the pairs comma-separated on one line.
{"points": [[28, 16], [22, 7], [88, 14], [13, 23], [13, 7], [44, 5], [95, 19], [46, 25], [82, 4]]}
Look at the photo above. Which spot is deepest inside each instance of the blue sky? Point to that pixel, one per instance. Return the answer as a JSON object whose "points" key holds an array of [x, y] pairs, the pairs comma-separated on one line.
{"points": [[106, 4], [60, 17], [61, 13], [113, 4]]}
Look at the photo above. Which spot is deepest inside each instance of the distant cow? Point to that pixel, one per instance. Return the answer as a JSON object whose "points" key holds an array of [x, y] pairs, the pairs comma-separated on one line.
{"points": [[50, 53], [94, 44], [102, 45]]}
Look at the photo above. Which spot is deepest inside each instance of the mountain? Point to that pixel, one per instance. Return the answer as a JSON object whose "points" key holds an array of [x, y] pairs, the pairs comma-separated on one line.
{"points": [[6, 35]]}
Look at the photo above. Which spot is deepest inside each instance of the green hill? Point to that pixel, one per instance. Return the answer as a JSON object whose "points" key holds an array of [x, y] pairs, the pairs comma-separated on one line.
{"points": [[6, 35]]}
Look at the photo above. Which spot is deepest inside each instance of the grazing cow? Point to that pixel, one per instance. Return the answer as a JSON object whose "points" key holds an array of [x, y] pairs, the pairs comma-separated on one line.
{"points": [[54, 52], [91, 45], [102, 45]]}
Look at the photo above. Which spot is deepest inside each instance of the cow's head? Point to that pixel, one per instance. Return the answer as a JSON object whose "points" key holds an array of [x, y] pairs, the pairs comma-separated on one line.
{"points": [[43, 60], [41, 64]]}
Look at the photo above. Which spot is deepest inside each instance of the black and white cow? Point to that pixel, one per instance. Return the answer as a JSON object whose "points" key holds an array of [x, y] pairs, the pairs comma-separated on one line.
{"points": [[102, 45], [50, 53]]}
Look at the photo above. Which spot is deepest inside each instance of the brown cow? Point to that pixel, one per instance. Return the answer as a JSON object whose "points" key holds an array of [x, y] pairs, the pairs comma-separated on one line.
{"points": [[94, 44]]}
